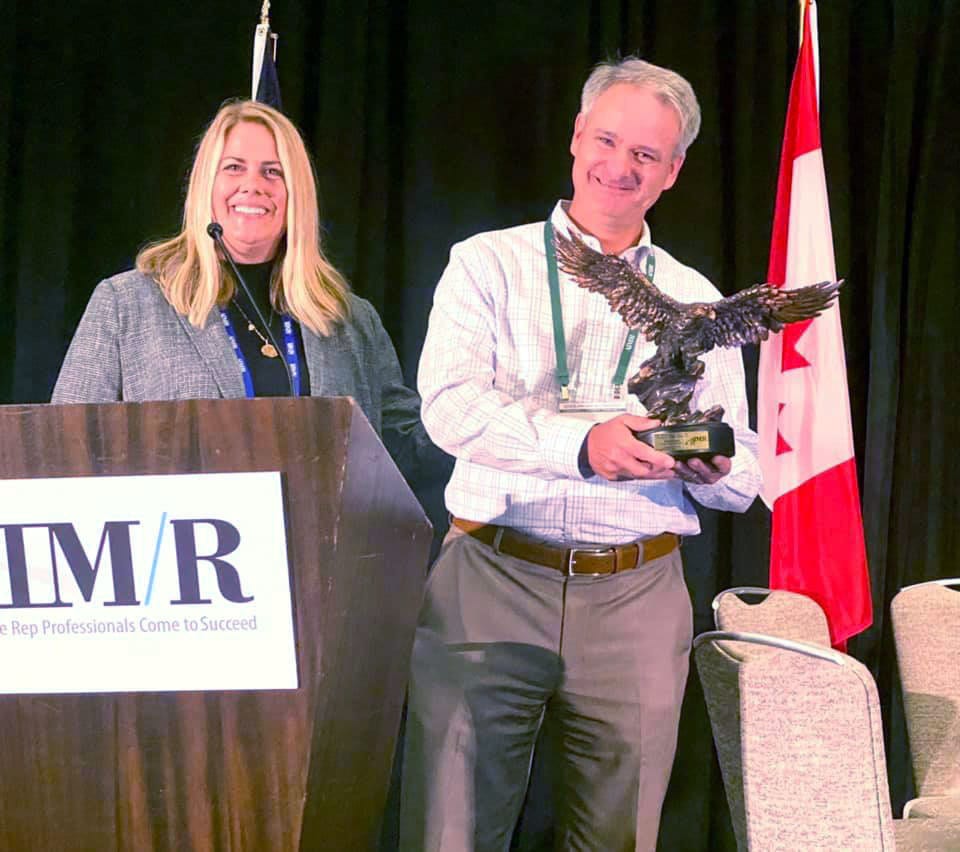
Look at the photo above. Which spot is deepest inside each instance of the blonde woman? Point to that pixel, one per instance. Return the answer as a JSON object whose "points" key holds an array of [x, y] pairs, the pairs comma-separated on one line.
{"points": [[179, 327]]}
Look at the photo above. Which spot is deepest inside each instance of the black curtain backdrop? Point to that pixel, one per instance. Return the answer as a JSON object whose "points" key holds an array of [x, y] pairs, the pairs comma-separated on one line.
{"points": [[431, 121]]}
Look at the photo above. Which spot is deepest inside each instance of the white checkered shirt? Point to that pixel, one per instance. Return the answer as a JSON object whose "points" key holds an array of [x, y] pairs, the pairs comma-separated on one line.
{"points": [[490, 395]]}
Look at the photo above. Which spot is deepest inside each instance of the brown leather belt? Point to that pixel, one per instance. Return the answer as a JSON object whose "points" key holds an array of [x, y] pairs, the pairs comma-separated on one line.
{"points": [[594, 561]]}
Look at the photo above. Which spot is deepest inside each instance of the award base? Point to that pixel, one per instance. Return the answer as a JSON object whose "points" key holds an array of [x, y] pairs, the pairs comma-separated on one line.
{"points": [[691, 440]]}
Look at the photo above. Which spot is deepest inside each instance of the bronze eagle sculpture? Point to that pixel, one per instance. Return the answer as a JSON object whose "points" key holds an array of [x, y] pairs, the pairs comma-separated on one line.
{"points": [[682, 332]]}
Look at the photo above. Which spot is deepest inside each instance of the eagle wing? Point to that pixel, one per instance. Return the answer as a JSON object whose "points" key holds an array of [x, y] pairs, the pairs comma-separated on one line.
{"points": [[632, 295], [750, 315]]}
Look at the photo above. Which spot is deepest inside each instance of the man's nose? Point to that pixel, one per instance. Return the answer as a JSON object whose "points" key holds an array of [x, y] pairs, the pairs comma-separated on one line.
{"points": [[623, 162]]}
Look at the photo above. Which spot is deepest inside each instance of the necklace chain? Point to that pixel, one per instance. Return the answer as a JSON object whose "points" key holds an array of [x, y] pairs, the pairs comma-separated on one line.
{"points": [[268, 350]]}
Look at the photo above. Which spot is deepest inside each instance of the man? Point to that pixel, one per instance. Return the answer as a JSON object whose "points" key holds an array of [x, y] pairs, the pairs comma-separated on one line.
{"points": [[558, 599]]}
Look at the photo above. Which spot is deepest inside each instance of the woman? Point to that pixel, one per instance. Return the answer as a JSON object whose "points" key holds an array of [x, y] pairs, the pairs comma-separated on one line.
{"points": [[179, 327]]}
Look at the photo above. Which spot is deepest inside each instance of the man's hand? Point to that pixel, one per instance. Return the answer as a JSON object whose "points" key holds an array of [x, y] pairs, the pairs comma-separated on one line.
{"points": [[702, 471], [615, 454]]}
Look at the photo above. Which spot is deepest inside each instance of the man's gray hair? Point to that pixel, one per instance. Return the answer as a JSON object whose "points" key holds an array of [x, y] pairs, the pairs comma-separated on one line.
{"points": [[667, 85]]}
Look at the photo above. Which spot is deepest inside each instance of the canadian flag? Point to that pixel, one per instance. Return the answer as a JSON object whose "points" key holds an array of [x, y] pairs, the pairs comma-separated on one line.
{"points": [[806, 440]]}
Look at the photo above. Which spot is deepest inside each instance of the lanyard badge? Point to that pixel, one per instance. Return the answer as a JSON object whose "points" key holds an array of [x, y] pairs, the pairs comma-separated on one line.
{"points": [[569, 404]]}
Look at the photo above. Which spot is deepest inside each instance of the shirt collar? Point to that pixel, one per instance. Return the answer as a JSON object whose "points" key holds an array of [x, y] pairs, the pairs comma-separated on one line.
{"points": [[561, 220]]}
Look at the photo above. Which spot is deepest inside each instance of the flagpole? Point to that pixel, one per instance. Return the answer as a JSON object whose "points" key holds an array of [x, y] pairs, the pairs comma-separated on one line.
{"points": [[260, 36], [265, 85], [815, 38]]}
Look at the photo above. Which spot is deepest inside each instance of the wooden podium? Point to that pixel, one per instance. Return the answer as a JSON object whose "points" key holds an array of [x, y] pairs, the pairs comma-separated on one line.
{"points": [[259, 770]]}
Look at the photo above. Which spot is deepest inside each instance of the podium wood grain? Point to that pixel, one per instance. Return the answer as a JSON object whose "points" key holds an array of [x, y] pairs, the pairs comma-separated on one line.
{"points": [[257, 770]]}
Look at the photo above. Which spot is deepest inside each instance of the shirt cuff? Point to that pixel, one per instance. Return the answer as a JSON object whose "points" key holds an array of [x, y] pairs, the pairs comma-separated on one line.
{"points": [[583, 459], [734, 492], [563, 439]]}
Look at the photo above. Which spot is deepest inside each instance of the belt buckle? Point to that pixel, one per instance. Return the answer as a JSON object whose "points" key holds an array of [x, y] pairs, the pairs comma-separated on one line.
{"points": [[595, 551]]}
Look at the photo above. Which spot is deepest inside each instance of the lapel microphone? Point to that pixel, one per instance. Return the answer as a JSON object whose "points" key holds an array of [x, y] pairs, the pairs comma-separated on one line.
{"points": [[215, 232]]}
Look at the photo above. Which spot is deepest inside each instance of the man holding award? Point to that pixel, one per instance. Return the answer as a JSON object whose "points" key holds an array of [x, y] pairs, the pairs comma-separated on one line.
{"points": [[558, 600]]}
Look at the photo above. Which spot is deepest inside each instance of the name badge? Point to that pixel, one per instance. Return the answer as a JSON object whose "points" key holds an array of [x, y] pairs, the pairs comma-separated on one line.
{"points": [[594, 411]]}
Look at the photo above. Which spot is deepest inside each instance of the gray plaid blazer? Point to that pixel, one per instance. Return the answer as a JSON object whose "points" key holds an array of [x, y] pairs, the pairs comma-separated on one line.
{"points": [[131, 345]]}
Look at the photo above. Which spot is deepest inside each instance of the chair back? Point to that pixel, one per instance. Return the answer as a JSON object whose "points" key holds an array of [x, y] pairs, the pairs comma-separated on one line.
{"points": [[926, 630], [788, 615], [800, 742]]}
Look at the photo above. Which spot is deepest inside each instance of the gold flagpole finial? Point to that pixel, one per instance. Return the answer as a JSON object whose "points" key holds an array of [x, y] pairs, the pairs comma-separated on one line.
{"points": [[265, 13]]}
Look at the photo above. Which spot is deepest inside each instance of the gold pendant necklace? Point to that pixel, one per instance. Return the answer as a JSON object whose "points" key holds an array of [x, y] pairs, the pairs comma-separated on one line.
{"points": [[268, 350]]}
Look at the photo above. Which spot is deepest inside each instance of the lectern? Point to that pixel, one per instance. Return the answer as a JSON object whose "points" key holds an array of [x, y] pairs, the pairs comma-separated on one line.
{"points": [[246, 770]]}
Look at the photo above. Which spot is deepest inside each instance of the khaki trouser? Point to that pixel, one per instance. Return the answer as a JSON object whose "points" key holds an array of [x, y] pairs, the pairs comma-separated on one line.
{"points": [[504, 646]]}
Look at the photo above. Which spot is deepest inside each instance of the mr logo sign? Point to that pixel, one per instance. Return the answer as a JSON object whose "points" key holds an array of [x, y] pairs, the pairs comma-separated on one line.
{"points": [[56, 550], [99, 575]]}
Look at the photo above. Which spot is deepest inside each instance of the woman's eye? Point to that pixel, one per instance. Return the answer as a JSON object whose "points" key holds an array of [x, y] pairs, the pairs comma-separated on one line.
{"points": [[274, 172]]}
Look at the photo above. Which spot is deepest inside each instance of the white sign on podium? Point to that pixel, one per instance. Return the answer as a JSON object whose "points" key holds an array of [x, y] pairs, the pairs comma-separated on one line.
{"points": [[145, 584]]}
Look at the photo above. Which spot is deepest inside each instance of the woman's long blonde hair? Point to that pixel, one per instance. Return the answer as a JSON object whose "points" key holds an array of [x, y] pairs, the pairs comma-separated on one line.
{"points": [[303, 284]]}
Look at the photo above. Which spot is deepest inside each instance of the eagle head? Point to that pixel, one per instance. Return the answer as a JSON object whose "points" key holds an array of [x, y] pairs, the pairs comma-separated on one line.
{"points": [[701, 310]]}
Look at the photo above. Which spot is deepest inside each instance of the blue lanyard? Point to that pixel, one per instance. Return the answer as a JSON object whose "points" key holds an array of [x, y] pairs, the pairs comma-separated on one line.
{"points": [[289, 353], [290, 347], [559, 343]]}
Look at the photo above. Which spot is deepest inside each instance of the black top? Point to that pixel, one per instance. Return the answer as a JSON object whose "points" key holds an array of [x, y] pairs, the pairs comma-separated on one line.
{"points": [[268, 374]]}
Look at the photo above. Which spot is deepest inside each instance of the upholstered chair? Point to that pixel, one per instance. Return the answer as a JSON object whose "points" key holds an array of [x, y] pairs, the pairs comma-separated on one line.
{"points": [[926, 630], [798, 732], [789, 615]]}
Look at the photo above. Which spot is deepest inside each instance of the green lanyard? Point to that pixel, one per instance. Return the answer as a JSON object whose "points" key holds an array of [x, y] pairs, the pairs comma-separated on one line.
{"points": [[559, 343]]}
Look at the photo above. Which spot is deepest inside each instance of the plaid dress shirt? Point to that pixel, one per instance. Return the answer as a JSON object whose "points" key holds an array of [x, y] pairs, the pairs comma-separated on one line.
{"points": [[490, 395]]}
